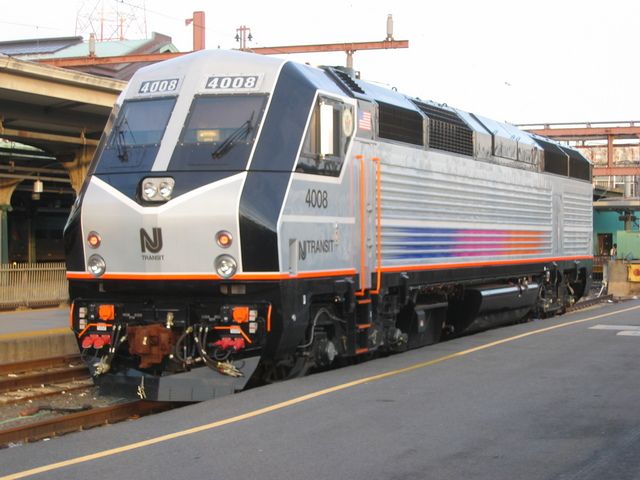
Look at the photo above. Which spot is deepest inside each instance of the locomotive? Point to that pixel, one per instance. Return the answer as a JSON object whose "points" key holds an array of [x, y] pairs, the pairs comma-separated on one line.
{"points": [[246, 219]]}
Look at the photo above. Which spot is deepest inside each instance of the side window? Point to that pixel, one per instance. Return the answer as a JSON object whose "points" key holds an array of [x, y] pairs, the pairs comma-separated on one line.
{"points": [[327, 138]]}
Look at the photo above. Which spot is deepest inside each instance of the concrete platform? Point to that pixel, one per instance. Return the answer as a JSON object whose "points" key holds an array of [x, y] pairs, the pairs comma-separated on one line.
{"points": [[553, 399], [31, 334]]}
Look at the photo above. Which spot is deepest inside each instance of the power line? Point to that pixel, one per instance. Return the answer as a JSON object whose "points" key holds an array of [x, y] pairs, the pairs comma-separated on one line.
{"points": [[30, 25], [161, 14]]}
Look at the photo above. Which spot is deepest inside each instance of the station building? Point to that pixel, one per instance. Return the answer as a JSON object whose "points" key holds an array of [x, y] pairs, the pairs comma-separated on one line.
{"points": [[51, 120]]}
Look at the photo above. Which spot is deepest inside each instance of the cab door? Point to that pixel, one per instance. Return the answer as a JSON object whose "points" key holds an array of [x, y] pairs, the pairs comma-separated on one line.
{"points": [[369, 221]]}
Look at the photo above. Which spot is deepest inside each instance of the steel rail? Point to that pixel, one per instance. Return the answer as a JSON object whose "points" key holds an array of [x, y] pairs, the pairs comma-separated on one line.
{"points": [[80, 420], [40, 363], [45, 377], [48, 391], [589, 303]]}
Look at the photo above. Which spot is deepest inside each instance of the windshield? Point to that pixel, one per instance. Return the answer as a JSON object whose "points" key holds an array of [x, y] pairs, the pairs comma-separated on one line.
{"points": [[219, 132], [135, 136]]}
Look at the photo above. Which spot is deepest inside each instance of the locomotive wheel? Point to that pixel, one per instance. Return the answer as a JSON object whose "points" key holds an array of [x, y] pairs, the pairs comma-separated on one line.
{"points": [[287, 369]]}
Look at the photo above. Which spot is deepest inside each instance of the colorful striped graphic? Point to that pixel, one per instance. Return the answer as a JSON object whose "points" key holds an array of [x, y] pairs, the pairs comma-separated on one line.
{"points": [[400, 243]]}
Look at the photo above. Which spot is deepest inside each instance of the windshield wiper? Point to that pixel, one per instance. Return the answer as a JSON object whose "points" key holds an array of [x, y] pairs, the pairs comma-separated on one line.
{"points": [[121, 145], [121, 142], [239, 133]]}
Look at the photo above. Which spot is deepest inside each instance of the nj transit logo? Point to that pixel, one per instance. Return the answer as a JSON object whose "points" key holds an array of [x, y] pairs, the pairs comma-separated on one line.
{"points": [[151, 244]]}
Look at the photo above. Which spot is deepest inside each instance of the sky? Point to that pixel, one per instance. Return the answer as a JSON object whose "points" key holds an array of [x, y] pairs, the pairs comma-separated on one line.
{"points": [[541, 61]]}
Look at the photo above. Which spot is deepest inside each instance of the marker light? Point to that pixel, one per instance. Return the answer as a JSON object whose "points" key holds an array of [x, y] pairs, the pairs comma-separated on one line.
{"points": [[226, 266], [94, 240], [96, 265], [224, 239]]}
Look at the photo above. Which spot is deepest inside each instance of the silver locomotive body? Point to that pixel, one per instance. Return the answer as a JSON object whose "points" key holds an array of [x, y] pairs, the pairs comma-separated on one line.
{"points": [[262, 218]]}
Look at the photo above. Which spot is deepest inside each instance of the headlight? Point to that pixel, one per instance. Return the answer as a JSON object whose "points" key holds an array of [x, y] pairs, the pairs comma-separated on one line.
{"points": [[157, 189], [149, 190], [166, 189], [96, 265], [226, 266]]}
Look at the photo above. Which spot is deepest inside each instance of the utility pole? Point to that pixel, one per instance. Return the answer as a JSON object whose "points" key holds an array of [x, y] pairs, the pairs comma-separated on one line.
{"points": [[243, 33], [349, 48], [198, 30]]}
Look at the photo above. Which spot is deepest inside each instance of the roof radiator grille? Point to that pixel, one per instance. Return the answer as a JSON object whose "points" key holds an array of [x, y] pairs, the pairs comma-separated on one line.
{"points": [[400, 124], [447, 131], [347, 80]]}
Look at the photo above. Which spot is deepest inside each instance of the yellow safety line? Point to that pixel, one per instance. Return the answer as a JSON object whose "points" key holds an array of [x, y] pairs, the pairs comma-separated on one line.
{"points": [[297, 400]]}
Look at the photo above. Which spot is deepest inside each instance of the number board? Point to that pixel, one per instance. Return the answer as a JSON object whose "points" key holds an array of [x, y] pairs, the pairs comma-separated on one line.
{"points": [[233, 82], [159, 86]]}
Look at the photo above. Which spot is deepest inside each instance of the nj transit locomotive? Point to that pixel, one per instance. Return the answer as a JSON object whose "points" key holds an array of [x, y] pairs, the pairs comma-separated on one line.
{"points": [[262, 217]]}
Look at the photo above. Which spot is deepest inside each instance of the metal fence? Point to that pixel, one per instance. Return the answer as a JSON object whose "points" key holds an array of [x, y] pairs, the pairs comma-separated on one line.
{"points": [[32, 285]]}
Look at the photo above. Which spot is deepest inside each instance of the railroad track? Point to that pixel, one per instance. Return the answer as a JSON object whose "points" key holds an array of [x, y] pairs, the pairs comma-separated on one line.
{"points": [[29, 380], [589, 303], [39, 364], [80, 420]]}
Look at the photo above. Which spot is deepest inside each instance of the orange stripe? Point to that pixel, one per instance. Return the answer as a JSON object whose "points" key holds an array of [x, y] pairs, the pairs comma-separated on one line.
{"points": [[71, 315], [441, 266], [364, 301], [537, 233], [269, 318], [376, 160], [362, 226], [93, 325], [246, 337], [515, 245], [328, 273], [210, 276], [360, 351], [317, 274]]}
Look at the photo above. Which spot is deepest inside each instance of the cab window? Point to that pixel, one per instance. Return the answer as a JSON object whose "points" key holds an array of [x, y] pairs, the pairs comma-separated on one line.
{"points": [[327, 138], [219, 132], [134, 136]]}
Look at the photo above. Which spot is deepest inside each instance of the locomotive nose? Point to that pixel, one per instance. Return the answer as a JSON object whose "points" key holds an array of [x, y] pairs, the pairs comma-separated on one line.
{"points": [[129, 239]]}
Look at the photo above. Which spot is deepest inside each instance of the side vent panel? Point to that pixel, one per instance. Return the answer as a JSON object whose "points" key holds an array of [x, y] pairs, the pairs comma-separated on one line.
{"points": [[447, 131]]}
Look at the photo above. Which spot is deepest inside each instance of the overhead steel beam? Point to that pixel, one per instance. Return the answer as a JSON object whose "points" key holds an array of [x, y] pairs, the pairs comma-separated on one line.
{"points": [[587, 132], [332, 47], [619, 171], [604, 145], [91, 61], [35, 177], [158, 57], [13, 168], [23, 153], [12, 134], [53, 115]]}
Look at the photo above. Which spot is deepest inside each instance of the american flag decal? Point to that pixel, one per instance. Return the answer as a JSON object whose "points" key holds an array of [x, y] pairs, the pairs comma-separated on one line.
{"points": [[364, 120]]}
